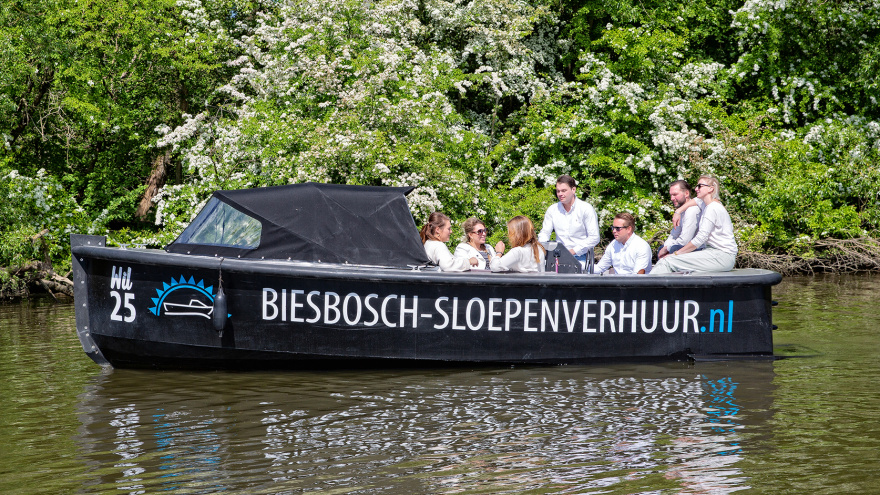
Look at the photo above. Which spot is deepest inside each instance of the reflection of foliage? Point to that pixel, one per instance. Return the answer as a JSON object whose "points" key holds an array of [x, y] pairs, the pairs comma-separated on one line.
{"points": [[478, 104]]}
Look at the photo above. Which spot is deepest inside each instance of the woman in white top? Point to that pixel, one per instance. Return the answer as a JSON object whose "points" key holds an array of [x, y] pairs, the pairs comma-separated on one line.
{"points": [[526, 253], [715, 232], [435, 234], [473, 245]]}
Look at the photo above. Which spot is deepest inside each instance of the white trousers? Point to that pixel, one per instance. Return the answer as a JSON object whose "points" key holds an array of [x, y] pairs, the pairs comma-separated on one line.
{"points": [[706, 260]]}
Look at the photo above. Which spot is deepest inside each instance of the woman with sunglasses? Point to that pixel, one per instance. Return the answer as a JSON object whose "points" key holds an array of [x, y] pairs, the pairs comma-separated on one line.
{"points": [[715, 235], [473, 244]]}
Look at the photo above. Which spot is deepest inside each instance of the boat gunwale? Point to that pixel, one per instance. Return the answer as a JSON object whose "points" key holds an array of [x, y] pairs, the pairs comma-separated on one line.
{"points": [[274, 267]]}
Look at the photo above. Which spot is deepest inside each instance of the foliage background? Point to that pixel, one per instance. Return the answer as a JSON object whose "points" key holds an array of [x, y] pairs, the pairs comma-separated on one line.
{"points": [[479, 104]]}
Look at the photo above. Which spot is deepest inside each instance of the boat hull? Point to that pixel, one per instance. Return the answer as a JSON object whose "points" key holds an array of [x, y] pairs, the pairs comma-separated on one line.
{"points": [[287, 314]]}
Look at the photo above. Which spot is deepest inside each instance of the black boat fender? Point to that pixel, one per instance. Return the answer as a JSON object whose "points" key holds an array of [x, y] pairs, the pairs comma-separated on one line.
{"points": [[219, 316]]}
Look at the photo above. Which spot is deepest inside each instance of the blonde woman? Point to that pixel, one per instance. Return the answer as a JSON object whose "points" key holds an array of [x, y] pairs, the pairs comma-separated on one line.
{"points": [[526, 253], [435, 234], [715, 232], [473, 245]]}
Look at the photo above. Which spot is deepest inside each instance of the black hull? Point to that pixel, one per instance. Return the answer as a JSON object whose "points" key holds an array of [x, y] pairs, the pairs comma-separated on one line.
{"points": [[296, 315]]}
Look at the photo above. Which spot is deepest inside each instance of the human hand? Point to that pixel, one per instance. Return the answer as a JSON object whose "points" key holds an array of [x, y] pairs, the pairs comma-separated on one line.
{"points": [[499, 248], [572, 252], [474, 261], [676, 219], [662, 253]]}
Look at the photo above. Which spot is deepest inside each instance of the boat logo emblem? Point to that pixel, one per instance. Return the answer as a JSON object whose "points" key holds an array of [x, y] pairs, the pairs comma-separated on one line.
{"points": [[184, 298]]}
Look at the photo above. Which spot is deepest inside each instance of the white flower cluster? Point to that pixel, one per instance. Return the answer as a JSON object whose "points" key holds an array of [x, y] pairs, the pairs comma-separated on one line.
{"points": [[667, 108], [695, 80], [846, 140], [543, 173], [41, 201]]}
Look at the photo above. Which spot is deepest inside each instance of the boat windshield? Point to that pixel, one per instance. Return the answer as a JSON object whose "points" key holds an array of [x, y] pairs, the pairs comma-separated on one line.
{"points": [[219, 224]]}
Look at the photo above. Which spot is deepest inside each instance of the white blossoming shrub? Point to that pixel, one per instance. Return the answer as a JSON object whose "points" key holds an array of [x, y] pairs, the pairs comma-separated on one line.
{"points": [[825, 184], [811, 59], [626, 140], [367, 93], [481, 104], [39, 221]]}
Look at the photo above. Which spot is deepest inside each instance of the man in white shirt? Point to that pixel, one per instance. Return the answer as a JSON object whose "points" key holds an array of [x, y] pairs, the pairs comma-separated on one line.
{"points": [[574, 221], [715, 233], [681, 234], [628, 253]]}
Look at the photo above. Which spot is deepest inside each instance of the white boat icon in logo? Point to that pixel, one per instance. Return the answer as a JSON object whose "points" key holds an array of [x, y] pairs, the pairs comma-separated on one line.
{"points": [[193, 308]]}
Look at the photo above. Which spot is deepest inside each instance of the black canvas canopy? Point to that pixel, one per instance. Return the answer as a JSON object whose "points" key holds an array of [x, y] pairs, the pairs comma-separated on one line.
{"points": [[309, 222]]}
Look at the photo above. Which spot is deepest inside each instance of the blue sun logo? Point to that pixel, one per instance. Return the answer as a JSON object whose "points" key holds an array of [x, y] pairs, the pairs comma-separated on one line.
{"points": [[188, 298]]}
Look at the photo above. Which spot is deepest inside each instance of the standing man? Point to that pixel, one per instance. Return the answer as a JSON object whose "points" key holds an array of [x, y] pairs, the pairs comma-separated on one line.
{"points": [[574, 221], [681, 234], [628, 253]]}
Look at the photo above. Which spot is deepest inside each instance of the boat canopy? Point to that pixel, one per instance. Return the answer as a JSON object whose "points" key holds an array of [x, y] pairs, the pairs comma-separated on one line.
{"points": [[365, 225]]}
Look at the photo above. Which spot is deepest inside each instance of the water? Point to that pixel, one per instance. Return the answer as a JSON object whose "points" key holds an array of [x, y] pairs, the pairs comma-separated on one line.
{"points": [[804, 424]]}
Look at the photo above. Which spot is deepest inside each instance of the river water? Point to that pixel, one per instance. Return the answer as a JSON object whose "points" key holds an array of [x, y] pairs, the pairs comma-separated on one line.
{"points": [[805, 424]]}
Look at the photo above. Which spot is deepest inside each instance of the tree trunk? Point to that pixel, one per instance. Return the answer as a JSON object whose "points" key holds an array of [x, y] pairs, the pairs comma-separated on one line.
{"points": [[58, 284], [154, 183], [35, 274]]}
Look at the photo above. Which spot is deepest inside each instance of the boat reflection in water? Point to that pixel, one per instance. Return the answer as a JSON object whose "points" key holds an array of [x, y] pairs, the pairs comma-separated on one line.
{"points": [[621, 428]]}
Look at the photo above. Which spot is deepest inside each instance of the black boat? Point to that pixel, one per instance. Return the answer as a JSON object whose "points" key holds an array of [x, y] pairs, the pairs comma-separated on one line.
{"points": [[317, 275]]}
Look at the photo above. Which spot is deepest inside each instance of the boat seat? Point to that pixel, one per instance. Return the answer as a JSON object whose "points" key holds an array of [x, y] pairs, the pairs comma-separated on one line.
{"points": [[557, 252]]}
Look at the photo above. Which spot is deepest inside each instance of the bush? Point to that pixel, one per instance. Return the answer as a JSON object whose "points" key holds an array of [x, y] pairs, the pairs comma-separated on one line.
{"points": [[37, 220]]}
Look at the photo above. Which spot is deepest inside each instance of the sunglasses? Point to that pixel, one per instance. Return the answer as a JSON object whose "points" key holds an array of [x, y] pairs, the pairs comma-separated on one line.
{"points": [[481, 232], [618, 229], [702, 185]]}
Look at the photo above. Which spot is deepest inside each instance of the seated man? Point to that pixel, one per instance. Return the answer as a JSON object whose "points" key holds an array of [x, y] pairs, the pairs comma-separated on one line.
{"points": [[681, 234], [628, 253]]}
